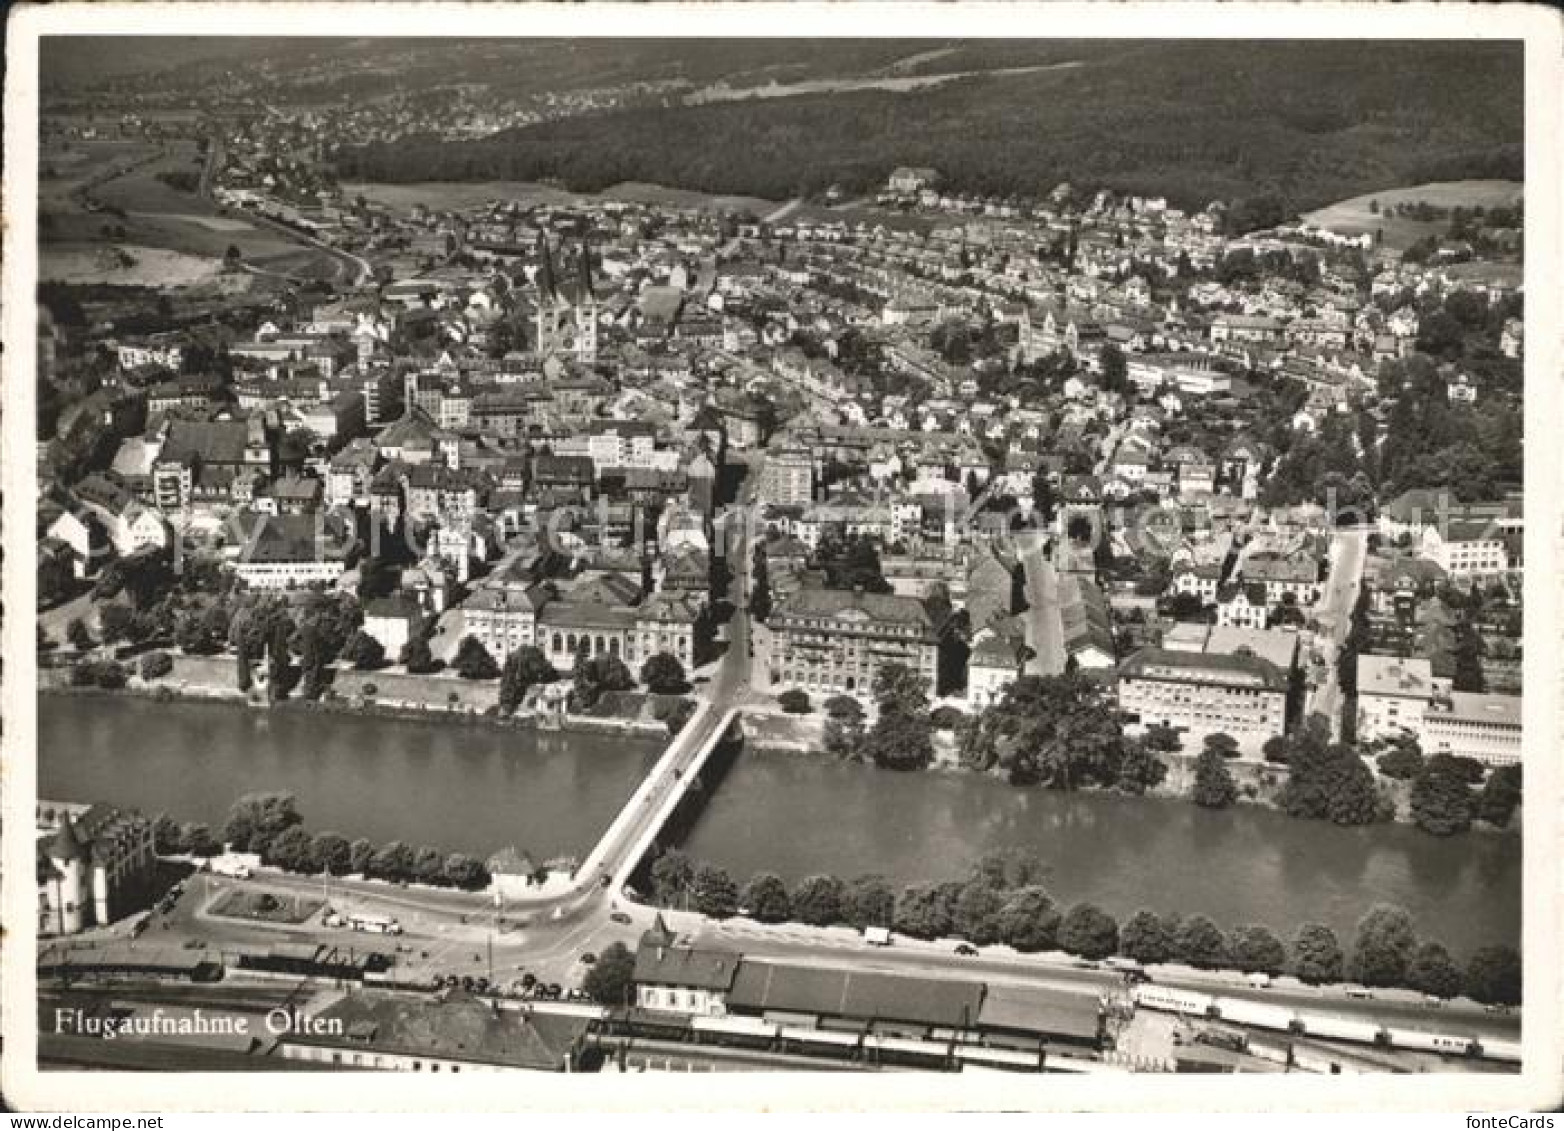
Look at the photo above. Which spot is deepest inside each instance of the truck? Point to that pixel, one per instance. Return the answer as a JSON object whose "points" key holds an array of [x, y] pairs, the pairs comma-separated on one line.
{"points": [[1259, 980], [373, 924], [236, 869], [877, 936]]}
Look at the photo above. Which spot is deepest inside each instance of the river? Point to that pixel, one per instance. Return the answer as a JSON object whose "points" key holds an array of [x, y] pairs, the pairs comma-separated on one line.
{"points": [[462, 788], [474, 789]]}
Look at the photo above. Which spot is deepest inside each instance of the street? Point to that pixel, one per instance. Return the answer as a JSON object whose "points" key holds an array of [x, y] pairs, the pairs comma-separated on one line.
{"points": [[1348, 549]]}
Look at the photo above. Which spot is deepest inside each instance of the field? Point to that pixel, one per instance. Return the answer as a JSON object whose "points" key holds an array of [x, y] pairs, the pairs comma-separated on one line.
{"points": [[1353, 216], [264, 907], [147, 267], [177, 238]]}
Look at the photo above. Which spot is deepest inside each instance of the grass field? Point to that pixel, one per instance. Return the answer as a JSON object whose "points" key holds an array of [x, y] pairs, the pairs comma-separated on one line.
{"points": [[180, 234], [1353, 216], [264, 906]]}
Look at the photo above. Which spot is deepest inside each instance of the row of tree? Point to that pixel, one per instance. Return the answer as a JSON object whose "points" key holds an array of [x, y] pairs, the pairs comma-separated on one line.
{"points": [[1003, 901], [270, 825]]}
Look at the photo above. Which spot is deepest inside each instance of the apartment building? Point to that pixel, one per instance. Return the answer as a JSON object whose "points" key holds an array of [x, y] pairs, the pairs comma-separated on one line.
{"points": [[834, 641], [1240, 694]]}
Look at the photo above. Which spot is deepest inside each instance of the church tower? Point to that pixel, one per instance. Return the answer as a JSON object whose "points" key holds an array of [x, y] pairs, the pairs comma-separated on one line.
{"points": [[567, 314]]}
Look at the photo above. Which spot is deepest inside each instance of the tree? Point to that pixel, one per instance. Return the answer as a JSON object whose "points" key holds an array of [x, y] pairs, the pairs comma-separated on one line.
{"points": [[712, 892], [1028, 920], [817, 900], [155, 665], [844, 707], [1432, 971], [922, 912], [464, 872], [1383, 947], [417, 657], [1199, 943], [869, 902], [524, 668], [794, 701], [1327, 780], [293, 850], [664, 675], [1139, 768], [78, 636], [393, 861], [1493, 976], [671, 877], [898, 688], [760, 587], [114, 622], [1214, 785], [1089, 931], [1500, 795], [364, 652], [429, 866], [1224, 744], [1162, 739], [1441, 802], [595, 675], [1404, 761], [167, 839], [1061, 731], [199, 840], [765, 898], [1146, 938], [1316, 955], [900, 742], [333, 853], [1007, 868], [473, 660], [844, 737], [612, 976], [1115, 370], [257, 818], [360, 853], [1255, 949], [975, 915]]}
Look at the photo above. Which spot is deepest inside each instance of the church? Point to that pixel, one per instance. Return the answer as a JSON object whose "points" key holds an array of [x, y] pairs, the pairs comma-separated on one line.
{"points": [[566, 325]]}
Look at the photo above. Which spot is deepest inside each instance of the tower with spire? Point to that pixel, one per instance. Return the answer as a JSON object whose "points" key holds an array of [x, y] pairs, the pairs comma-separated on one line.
{"points": [[566, 320]]}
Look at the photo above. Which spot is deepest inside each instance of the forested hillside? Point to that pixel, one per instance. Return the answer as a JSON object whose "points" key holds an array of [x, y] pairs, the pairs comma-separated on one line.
{"points": [[1304, 123]]}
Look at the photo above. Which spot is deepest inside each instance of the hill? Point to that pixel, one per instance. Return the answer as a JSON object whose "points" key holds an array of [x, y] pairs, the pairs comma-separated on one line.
{"points": [[1291, 124]]}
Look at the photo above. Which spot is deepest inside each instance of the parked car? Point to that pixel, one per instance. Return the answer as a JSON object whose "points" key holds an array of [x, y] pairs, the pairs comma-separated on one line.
{"points": [[619, 917], [966, 949]]}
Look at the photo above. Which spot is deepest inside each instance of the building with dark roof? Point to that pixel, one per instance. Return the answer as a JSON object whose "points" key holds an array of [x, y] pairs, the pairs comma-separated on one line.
{"points": [[1201, 693], [887, 1003], [94, 865], [835, 641], [459, 1033], [682, 979]]}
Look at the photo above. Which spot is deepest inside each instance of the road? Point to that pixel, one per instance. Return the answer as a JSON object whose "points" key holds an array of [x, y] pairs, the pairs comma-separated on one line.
{"points": [[784, 211], [352, 267], [1348, 549], [1044, 629]]}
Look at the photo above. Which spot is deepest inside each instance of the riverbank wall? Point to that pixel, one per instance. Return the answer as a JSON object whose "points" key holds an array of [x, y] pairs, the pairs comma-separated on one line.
{"points": [[172, 688]]}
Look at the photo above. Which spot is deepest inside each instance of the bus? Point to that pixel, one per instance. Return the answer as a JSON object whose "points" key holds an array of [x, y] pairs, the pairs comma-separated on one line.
{"points": [[373, 924]]}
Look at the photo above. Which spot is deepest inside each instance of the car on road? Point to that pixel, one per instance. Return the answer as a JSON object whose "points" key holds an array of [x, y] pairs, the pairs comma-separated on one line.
{"points": [[1086, 964], [966, 949], [1360, 993], [619, 917], [1433, 1001]]}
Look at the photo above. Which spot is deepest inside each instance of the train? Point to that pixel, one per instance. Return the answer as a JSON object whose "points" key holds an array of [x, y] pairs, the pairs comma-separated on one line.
{"points": [[940, 1052], [1321, 1026]]}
